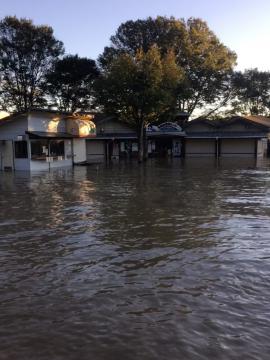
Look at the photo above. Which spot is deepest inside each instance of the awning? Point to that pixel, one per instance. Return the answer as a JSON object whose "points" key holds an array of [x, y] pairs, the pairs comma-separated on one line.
{"points": [[165, 134], [48, 135]]}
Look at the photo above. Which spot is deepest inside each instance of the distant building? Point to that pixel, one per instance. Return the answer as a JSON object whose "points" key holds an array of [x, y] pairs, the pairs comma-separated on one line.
{"points": [[238, 136], [165, 139], [114, 140], [41, 140]]}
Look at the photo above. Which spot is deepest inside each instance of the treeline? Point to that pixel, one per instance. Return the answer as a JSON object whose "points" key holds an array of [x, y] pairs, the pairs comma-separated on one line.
{"points": [[151, 70]]}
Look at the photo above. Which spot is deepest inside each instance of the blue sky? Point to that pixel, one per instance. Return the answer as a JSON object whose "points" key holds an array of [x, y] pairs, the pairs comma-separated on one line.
{"points": [[85, 26]]}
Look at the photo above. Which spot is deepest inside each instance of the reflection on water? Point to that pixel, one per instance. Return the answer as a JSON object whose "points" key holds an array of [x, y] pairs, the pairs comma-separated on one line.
{"points": [[169, 260]]}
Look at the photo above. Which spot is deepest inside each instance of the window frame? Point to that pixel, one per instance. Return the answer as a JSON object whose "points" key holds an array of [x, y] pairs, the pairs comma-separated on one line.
{"points": [[57, 145], [21, 152]]}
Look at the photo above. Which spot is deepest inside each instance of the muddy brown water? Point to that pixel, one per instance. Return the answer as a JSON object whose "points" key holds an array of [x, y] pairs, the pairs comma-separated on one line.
{"points": [[169, 260]]}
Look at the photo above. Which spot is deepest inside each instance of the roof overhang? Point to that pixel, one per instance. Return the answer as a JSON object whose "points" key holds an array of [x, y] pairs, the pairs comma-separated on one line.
{"points": [[112, 137], [164, 134], [227, 136], [48, 135]]}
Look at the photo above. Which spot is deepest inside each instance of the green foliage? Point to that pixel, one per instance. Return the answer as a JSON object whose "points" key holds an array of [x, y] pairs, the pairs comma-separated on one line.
{"points": [[27, 53], [139, 88], [70, 83], [205, 63], [208, 66], [252, 92], [132, 36]]}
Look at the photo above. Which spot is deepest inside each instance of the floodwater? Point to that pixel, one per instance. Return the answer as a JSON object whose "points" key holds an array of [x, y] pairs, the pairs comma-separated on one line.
{"points": [[167, 260]]}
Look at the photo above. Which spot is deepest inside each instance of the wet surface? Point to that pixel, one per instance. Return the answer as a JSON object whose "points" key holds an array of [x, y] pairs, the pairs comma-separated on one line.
{"points": [[165, 261]]}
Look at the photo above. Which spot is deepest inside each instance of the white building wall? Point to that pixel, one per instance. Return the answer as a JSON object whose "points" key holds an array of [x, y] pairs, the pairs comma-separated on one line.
{"points": [[44, 165], [262, 148], [22, 164], [6, 154], [11, 130], [68, 149], [79, 150], [61, 163], [36, 121], [66, 161], [39, 165], [46, 122]]}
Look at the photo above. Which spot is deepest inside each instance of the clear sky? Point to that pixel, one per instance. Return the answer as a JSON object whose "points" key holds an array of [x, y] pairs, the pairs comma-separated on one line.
{"points": [[85, 26]]}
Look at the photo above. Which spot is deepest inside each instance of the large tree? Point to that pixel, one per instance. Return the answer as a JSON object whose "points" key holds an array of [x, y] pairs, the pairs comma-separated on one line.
{"points": [[206, 63], [27, 53], [138, 88], [70, 83], [251, 92]]}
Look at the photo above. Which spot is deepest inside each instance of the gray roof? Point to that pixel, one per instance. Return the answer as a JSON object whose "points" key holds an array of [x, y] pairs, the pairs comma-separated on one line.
{"points": [[261, 122]]}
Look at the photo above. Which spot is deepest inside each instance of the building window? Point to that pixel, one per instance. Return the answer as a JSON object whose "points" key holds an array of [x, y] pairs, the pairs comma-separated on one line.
{"points": [[39, 149], [57, 148], [21, 151]]}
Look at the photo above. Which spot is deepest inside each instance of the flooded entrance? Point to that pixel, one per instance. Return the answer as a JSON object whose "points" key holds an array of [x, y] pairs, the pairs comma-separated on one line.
{"points": [[164, 147]]}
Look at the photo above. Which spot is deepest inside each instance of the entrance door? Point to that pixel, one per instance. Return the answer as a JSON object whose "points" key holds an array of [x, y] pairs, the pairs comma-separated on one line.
{"points": [[164, 147], [177, 147], [6, 155]]}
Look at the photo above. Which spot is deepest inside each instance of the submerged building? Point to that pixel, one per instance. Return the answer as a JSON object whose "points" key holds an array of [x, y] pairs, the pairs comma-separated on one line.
{"points": [[41, 140], [238, 136]]}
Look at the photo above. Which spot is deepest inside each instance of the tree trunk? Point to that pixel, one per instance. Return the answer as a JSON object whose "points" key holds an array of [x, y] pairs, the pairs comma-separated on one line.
{"points": [[141, 142], [145, 145]]}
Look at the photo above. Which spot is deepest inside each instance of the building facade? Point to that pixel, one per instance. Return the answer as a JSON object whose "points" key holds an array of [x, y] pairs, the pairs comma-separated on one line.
{"points": [[114, 140], [43, 140], [235, 137]]}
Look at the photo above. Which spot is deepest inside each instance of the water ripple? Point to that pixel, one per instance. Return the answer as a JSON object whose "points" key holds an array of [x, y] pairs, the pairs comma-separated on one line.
{"points": [[163, 261]]}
